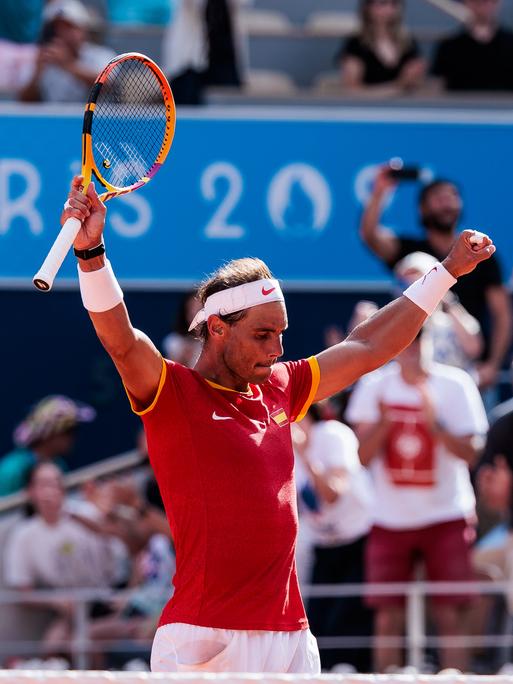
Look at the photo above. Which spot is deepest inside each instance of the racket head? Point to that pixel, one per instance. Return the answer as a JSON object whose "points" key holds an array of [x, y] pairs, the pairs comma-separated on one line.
{"points": [[129, 124]]}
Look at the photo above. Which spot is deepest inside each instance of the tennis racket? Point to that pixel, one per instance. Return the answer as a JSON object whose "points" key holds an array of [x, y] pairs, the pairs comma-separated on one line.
{"points": [[128, 128]]}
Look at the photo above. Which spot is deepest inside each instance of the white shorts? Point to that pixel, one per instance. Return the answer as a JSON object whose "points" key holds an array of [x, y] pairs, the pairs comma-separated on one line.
{"points": [[179, 647]]}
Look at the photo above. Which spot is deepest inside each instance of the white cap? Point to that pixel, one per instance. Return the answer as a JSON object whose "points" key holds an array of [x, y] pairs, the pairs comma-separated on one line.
{"points": [[69, 10], [416, 261]]}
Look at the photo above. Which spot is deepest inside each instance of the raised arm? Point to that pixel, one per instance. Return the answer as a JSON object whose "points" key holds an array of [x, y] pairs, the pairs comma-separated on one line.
{"points": [[395, 326], [380, 240], [135, 356]]}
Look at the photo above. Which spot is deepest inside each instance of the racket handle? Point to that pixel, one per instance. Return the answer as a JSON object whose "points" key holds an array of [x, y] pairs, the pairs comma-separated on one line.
{"points": [[44, 278]]}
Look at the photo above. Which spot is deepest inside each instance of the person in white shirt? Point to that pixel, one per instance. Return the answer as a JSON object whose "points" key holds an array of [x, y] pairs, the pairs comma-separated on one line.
{"points": [[54, 550], [67, 62], [420, 425], [336, 517], [453, 334]]}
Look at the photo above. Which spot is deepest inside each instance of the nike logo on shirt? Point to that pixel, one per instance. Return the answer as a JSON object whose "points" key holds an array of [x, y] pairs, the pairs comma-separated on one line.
{"points": [[216, 417]]}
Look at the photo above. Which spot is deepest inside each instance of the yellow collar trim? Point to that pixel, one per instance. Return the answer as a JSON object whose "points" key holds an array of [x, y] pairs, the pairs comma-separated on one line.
{"points": [[226, 389]]}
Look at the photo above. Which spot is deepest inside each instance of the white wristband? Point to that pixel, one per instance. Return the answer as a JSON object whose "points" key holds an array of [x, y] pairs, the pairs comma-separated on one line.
{"points": [[427, 292], [99, 289]]}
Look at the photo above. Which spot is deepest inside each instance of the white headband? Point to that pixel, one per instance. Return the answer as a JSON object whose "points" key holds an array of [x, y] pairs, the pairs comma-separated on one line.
{"points": [[239, 298]]}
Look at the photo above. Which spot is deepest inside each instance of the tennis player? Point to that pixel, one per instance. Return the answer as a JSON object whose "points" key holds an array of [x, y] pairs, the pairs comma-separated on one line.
{"points": [[219, 443]]}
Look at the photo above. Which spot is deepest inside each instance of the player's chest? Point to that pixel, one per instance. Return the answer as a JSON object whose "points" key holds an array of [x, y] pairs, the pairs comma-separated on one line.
{"points": [[241, 429]]}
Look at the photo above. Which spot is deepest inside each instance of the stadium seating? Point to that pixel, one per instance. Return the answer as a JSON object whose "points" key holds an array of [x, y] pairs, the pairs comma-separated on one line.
{"points": [[271, 83], [257, 22], [331, 23], [299, 39]]}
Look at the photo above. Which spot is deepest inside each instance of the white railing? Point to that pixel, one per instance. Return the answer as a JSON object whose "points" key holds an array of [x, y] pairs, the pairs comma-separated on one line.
{"points": [[99, 677], [415, 640], [107, 467]]}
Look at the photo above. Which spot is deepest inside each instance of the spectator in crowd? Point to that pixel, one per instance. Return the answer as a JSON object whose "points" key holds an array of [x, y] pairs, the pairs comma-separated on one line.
{"points": [[46, 434], [139, 520], [116, 507], [479, 57], [420, 426], [481, 293], [333, 334], [179, 344], [67, 63], [363, 310], [382, 58], [453, 335], [136, 618], [203, 47], [492, 556], [495, 488], [53, 550], [20, 27], [17, 63], [337, 515]]}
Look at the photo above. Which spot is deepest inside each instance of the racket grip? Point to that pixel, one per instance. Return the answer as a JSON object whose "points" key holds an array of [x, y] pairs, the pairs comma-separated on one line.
{"points": [[44, 278]]}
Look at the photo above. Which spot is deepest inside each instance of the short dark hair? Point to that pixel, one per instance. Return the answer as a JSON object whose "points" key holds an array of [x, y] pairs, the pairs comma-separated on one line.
{"points": [[434, 185], [231, 274]]}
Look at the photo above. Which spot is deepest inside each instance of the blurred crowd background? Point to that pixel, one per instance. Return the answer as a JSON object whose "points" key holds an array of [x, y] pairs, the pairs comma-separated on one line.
{"points": [[224, 50], [406, 477]]}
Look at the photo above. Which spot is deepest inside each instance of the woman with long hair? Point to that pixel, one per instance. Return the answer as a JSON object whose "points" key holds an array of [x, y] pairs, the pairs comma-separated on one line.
{"points": [[382, 58]]}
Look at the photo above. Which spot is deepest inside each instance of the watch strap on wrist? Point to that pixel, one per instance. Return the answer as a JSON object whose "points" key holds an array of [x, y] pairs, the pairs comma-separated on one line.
{"points": [[90, 253]]}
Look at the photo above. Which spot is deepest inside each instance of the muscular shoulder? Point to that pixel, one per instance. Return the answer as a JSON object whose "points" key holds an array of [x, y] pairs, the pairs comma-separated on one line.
{"points": [[177, 374]]}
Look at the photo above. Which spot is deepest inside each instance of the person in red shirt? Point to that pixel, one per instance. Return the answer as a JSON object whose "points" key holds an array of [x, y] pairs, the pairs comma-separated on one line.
{"points": [[220, 445]]}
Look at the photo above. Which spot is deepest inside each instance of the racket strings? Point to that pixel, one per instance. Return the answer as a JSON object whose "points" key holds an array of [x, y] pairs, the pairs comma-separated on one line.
{"points": [[129, 123]]}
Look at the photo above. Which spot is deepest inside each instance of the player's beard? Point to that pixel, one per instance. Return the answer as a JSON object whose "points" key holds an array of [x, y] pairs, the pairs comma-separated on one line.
{"points": [[443, 223]]}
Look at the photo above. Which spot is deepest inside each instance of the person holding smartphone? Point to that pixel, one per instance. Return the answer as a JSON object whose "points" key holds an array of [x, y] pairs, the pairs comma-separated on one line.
{"points": [[482, 292]]}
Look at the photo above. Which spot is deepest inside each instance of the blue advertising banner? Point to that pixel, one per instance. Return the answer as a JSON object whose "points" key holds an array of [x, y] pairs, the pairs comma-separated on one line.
{"points": [[287, 186]]}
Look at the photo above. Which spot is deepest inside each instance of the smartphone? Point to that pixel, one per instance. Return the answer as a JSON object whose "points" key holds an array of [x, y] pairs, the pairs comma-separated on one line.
{"points": [[406, 173]]}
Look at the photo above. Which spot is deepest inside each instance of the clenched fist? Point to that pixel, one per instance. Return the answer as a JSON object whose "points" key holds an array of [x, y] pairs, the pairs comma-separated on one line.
{"points": [[467, 252]]}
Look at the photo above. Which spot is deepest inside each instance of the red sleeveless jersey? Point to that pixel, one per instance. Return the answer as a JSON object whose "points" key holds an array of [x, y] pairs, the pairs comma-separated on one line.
{"points": [[224, 465]]}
